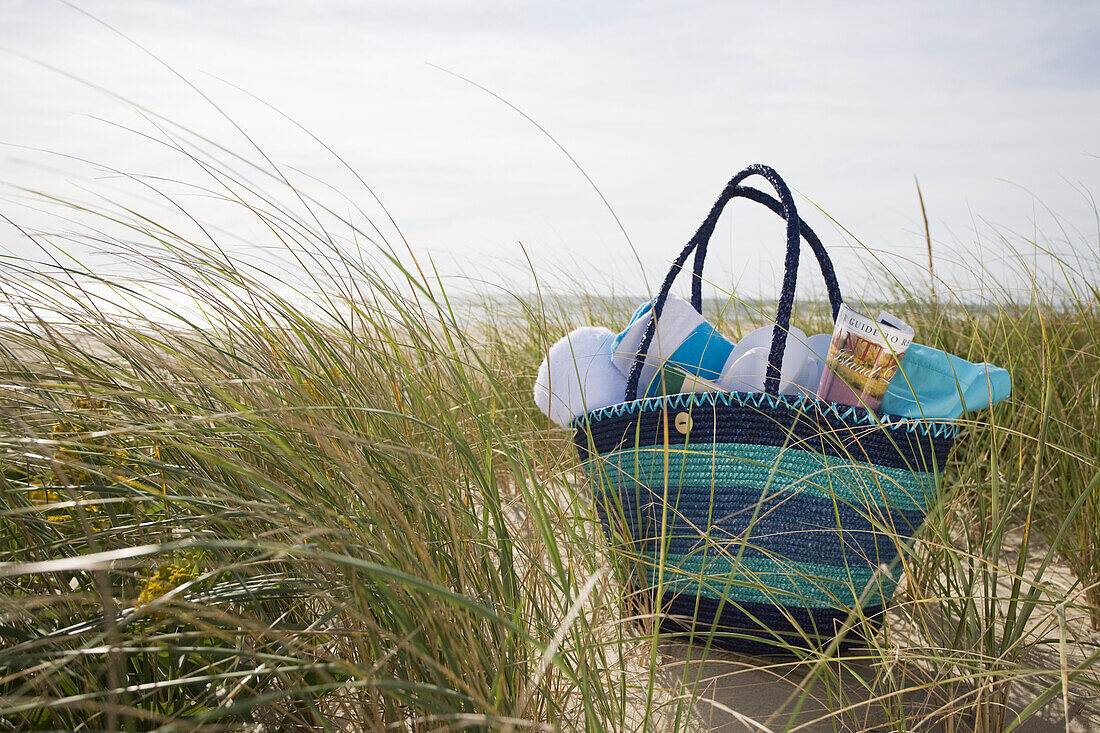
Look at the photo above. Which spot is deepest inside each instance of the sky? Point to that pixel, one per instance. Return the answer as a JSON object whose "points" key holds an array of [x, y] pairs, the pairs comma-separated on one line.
{"points": [[993, 106]]}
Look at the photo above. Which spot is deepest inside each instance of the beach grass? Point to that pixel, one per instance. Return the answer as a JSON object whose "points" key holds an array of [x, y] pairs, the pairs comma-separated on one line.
{"points": [[233, 503]]}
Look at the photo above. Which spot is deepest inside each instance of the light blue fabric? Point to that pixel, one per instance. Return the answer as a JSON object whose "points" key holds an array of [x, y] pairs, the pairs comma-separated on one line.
{"points": [[939, 386], [639, 312], [703, 352]]}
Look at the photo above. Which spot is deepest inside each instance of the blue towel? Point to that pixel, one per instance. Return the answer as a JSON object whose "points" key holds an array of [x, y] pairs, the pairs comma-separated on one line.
{"points": [[939, 386], [684, 339]]}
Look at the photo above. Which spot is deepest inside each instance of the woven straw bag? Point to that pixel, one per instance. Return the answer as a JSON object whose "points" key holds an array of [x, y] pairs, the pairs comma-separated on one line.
{"points": [[760, 522]]}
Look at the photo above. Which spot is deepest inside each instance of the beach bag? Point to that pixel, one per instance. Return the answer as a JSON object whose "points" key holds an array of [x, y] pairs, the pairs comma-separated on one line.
{"points": [[759, 522]]}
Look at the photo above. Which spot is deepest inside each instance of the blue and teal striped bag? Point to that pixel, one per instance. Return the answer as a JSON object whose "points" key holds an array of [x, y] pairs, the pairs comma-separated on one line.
{"points": [[761, 522]]}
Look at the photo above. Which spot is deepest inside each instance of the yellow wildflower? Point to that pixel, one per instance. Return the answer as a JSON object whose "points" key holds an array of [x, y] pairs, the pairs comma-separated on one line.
{"points": [[165, 579], [38, 497]]}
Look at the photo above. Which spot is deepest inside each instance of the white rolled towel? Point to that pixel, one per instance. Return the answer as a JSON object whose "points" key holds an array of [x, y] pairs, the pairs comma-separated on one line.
{"points": [[577, 376], [747, 366]]}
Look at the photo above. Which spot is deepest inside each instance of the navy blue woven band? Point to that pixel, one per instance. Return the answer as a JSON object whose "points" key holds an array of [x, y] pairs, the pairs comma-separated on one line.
{"points": [[736, 422], [809, 529], [738, 627]]}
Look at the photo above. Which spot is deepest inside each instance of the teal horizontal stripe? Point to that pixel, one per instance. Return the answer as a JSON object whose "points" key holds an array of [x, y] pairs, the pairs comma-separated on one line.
{"points": [[765, 467], [772, 581]]}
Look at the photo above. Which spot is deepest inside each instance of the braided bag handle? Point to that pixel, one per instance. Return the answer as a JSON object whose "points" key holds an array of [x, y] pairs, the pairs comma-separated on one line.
{"points": [[796, 228]]}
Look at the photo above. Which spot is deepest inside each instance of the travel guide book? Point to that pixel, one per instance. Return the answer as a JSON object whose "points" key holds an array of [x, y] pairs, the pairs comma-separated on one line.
{"points": [[863, 357]]}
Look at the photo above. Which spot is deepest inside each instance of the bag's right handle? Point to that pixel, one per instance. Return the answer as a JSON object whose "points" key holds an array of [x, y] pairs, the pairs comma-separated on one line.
{"points": [[698, 244]]}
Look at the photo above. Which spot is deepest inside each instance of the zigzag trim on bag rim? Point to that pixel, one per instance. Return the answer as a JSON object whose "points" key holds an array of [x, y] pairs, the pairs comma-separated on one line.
{"points": [[845, 413]]}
